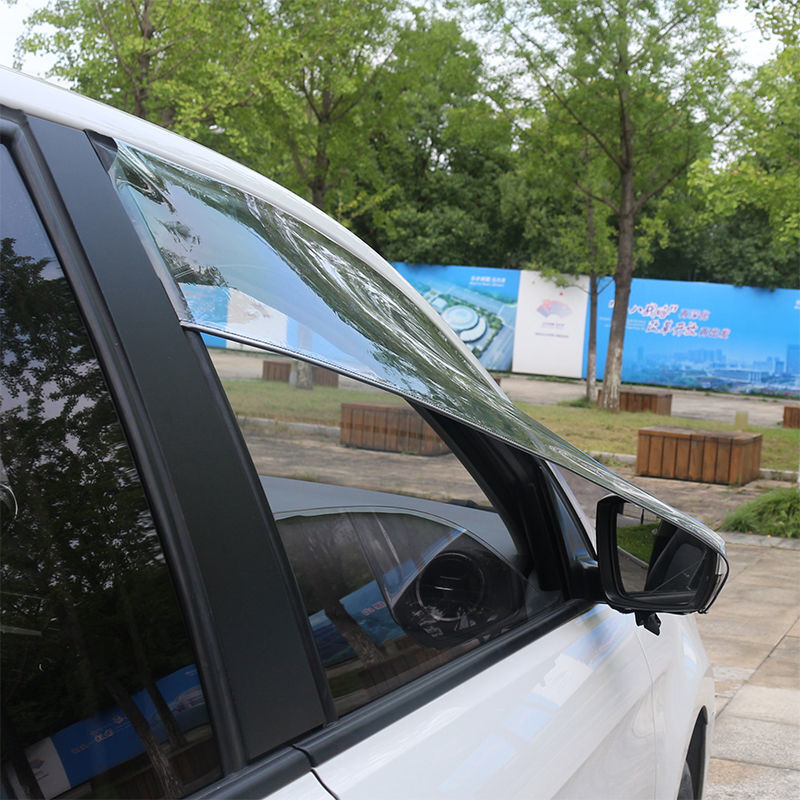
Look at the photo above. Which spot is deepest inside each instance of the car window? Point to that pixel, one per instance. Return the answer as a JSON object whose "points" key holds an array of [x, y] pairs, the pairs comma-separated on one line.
{"points": [[234, 264], [101, 694], [401, 560]]}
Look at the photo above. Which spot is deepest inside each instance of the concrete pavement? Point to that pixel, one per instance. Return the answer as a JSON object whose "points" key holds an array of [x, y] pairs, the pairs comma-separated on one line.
{"points": [[752, 636]]}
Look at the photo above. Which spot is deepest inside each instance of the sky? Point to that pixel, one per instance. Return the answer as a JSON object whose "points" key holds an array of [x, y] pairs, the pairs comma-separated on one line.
{"points": [[755, 51]]}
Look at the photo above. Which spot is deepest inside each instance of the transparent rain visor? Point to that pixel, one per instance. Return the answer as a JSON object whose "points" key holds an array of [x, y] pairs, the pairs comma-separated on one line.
{"points": [[235, 265], [255, 274]]}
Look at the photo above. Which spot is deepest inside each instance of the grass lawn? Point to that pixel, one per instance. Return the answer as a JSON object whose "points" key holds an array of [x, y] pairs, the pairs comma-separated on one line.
{"points": [[637, 540], [599, 430], [588, 428], [276, 400], [774, 514]]}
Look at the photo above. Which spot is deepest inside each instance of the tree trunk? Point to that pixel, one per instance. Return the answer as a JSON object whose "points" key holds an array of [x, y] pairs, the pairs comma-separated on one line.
{"points": [[612, 377], [173, 731], [175, 735], [301, 376], [366, 650], [591, 357], [171, 785]]}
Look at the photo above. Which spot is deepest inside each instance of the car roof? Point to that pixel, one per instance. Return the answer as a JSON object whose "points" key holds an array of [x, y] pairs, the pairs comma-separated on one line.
{"points": [[42, 99]]}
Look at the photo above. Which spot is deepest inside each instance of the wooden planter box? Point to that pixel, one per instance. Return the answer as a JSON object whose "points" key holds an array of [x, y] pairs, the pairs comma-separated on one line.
{"points": [[696, 455], [397, 429], [641, 400], [791, 416], [274, 370], [279, 370]]}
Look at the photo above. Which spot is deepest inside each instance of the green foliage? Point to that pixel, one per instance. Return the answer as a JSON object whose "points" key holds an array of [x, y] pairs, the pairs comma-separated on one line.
{"points": [[185, 64], [759, 182], [776, 513], [387, 117], [739, 247], [439, 158], [315, 114], [644, 85]]}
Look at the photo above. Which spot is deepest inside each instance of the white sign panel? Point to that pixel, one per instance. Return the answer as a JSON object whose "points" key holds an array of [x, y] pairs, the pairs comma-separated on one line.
{"points": [[47, 769], [551, 322]]}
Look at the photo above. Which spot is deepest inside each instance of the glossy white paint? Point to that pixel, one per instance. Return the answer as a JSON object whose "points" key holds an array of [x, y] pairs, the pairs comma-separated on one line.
{"points": [[305, 788], [683, 684], [570, 715]]}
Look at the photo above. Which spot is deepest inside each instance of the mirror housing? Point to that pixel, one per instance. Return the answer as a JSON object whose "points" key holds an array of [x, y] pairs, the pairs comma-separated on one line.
{"points": [[650, 565]]}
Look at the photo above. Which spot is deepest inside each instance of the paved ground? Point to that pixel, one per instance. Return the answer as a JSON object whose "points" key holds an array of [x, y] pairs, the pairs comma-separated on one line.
{"points": [[752, 633]]}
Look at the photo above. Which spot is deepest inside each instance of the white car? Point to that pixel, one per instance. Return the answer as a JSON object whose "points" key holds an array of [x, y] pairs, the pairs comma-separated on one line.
{"points": [[393, 585]]}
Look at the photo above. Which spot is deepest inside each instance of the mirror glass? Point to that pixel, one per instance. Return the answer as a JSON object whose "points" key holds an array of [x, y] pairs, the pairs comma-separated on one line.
{"points": [[655, 556]]}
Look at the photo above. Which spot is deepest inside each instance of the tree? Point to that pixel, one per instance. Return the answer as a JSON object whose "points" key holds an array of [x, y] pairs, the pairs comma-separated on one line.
{"points": [[645, 82], [755, 187], [315, 117], [188, 65], [738, 246], [438, 160], [566, 232]]}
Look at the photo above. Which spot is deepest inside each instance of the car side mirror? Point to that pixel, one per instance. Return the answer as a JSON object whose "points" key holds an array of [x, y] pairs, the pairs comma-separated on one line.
{"points": [[648, 564]]}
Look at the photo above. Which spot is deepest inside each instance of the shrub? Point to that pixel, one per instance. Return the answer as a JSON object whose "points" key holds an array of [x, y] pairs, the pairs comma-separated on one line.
{"points": [[776, 513]]}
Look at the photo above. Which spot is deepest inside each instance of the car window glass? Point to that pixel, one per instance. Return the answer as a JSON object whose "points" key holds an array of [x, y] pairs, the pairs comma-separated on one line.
{"points": [[401, 561], [101, 695]]}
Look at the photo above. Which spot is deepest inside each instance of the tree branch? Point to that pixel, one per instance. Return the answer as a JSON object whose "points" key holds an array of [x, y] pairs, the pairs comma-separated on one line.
{"points": [[604, 200]]}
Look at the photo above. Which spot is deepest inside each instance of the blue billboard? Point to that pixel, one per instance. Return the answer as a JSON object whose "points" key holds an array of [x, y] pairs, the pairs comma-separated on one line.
{"points": [[707, 336], [479, 304]]}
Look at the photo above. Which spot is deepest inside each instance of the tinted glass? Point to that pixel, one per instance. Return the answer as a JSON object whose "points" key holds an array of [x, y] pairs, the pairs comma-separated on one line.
{"points": [[100, 693], [401, 560]]}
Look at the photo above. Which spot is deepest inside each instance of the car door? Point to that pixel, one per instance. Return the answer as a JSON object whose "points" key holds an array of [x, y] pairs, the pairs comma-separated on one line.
{"points": [[566, 716]]}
